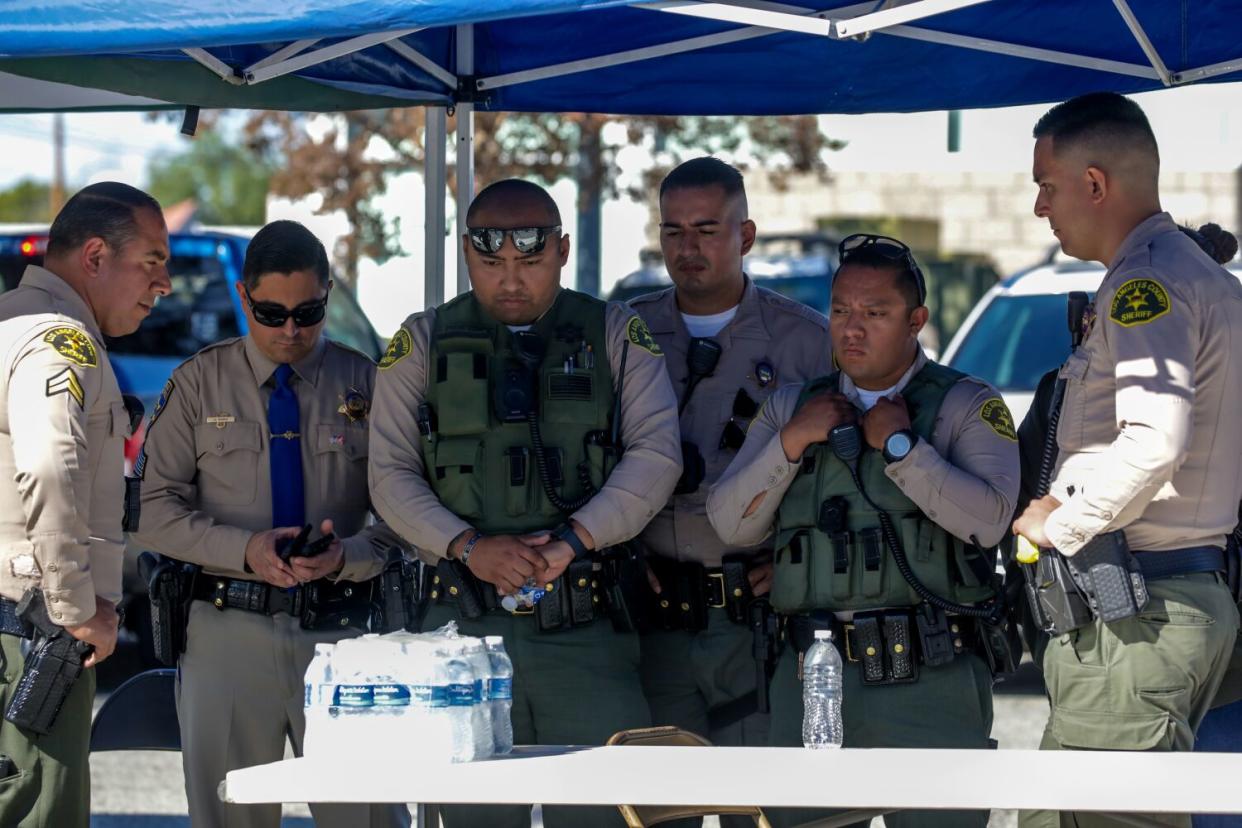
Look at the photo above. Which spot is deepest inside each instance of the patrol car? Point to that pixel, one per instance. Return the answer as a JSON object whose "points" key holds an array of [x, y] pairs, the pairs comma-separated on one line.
{"points": [[1019, 331]]}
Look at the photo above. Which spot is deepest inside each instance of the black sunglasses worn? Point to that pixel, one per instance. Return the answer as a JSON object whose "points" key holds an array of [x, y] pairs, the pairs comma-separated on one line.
{"points": [[527, 240], [888, 247], [274, 314]]}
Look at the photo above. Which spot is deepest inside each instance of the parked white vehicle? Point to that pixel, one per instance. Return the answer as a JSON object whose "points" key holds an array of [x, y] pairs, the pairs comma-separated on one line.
{"points": [[1019, 330]]}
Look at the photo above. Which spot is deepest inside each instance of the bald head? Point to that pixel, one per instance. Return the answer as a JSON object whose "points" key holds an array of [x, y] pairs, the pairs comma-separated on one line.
{"points": [[1106, 131], [513, 203]]}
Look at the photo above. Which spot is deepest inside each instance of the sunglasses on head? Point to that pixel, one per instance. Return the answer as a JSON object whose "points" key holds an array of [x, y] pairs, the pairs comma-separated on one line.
{"points": [[527, 240], [274, 314], [887, 247]]}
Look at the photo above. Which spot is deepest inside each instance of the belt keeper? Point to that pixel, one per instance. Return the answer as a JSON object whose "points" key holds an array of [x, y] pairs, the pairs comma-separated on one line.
{"points": [[219, 597]]}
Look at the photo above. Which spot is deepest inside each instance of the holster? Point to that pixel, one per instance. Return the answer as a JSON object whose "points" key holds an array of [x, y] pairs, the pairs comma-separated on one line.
{"points": [[329, 605], [1057, 606], [453, 581], [52, 665], [1110, 576], [402, 600], [626, 591], [170, 586]]}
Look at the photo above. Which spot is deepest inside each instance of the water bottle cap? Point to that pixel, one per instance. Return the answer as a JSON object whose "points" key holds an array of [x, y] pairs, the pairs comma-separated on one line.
{"points": [[823, 635]]}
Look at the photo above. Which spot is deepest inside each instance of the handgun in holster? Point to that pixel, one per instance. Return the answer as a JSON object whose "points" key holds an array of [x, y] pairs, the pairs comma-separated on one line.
{"points": [[764, 630], [170, 589], [53, 664], [1056, 604], [400, 604]]}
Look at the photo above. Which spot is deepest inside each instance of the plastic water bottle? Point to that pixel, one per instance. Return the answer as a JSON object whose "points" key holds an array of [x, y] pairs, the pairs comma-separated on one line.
{"points": [[525, 598], [481, 711], [821, 694], [460, 701], [500, 693], [318, 695]]}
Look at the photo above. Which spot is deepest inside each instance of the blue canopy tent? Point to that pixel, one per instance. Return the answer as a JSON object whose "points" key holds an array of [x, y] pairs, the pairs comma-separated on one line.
{"points": [[741, 57]]}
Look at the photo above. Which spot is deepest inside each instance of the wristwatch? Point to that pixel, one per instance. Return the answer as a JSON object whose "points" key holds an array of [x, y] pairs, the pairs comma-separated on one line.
{"points": [[898, 445], [566, 533]]}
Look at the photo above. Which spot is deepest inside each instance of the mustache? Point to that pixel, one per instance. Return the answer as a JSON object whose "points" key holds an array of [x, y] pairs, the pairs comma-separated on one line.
{"points": [[696, 262]]}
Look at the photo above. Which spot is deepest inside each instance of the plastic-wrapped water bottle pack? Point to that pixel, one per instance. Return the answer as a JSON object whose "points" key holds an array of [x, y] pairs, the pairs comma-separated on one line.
{"points": [[441, 695]]}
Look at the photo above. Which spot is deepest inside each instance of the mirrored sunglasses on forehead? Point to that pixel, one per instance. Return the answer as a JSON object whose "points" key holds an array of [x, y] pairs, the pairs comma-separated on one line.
{"points": [[887, 247], [274, 314], [527, 240]]}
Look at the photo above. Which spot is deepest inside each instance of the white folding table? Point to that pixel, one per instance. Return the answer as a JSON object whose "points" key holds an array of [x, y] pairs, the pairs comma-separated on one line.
{"points": [[874, 780]]}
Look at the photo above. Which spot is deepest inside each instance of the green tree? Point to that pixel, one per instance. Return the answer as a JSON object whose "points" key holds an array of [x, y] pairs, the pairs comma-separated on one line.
{"points": [[344, 166], [26, 201], [228, 181]]}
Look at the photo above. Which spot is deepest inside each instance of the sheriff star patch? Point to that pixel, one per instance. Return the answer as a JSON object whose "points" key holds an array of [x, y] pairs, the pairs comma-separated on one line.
{"points": [[73, 345], [996, 414], [399, 348], [639, 334], [1138, 302], [66, 382]]}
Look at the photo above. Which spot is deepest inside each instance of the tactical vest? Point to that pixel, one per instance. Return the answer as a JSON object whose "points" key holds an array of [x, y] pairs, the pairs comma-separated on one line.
{"points": [[484, 470], [854, 570]]}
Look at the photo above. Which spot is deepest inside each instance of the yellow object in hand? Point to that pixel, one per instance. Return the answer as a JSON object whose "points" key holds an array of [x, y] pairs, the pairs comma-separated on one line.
{"points": [[1028, 553]]}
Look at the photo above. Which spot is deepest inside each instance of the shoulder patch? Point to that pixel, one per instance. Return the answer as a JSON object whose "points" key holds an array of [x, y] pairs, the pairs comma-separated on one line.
{"points": [[1138, 302], [640, 335], [996, 414], [399, 348], [73, 345], [164, 397], [66, 382]]}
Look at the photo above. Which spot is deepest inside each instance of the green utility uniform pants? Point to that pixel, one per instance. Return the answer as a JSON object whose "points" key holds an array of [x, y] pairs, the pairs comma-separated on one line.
{"points": [[948, 707], [52, 786], [577, 686], [687, 674], [1143, 683]]}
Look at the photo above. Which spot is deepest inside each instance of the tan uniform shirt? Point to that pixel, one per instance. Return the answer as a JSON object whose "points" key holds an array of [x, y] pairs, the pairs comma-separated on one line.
{"points": [[62, 462], [634, 492], [1149, 432], [771, 341], [965, 479], [207, 484]]}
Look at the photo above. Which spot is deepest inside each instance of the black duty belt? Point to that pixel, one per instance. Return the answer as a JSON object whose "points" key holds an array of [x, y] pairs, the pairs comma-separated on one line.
{"points": [[889, 645], [318, 605], [9, 622], [574, 599], [1156, 565], [688, 590]]}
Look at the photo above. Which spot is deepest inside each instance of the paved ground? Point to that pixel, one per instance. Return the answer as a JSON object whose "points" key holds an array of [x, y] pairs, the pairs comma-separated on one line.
{"points": [[141, 789]]}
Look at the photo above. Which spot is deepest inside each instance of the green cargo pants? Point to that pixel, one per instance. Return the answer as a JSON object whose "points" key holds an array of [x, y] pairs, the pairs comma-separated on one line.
{"points": [[948, 707], [52, 786], [687, 674], [572, 687], [1143, 683]]}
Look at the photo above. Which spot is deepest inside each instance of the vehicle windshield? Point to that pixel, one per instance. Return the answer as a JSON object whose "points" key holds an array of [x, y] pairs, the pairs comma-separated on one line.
{"points": [[198, 312], [1015, 341]]}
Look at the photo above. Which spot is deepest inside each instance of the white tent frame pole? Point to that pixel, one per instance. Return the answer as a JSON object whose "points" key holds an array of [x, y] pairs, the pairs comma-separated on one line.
{"points": [[294, 48], [216, 65], [750, 32], [435, 214], [811, 24], [465, 149], [336, 50], [1136, 29], [1222, 68], [887, 18], [423, 62]]}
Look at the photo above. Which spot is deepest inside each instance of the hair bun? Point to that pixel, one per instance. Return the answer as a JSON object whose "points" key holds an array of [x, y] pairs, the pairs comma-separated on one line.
{"points": [[1224, 243]]}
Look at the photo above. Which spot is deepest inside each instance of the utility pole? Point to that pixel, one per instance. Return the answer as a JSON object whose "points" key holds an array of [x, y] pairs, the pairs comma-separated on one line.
{"points": [[57, 192]]}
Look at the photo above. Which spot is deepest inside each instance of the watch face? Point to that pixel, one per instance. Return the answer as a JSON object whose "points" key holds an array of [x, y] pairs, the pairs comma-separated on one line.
{"points": [[898, 445]]}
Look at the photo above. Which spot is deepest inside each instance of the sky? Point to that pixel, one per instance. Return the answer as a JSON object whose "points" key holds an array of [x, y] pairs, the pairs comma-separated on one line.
{"points": [[1199, 129]]}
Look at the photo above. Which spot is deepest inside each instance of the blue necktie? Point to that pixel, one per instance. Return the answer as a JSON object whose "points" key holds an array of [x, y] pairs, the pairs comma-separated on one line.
{"points": [[288, 502]]}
